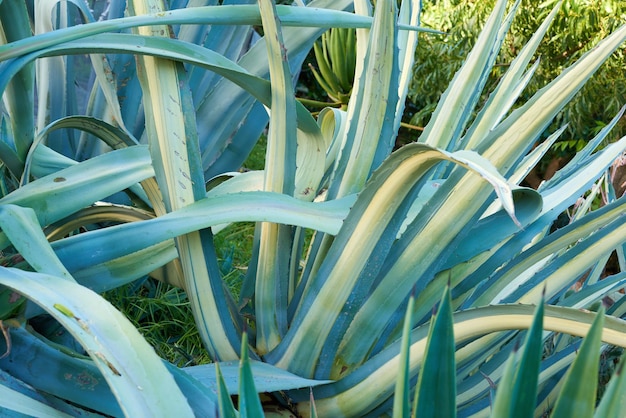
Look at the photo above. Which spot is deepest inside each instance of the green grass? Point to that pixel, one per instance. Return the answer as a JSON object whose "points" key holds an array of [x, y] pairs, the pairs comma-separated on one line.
{"points": [[162, 314]]}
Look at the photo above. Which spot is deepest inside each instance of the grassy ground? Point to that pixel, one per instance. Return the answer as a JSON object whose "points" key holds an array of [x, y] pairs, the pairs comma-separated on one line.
{"points": [[162, 314]]}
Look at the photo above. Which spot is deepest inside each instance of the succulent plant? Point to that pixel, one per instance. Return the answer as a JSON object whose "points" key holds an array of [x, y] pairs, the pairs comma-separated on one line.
{"points": [[446, 212]]}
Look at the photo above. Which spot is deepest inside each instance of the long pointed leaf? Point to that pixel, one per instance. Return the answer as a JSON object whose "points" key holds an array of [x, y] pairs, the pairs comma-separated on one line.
{"points": [[174, 149], [577, 398], [57, 195], [225, 403], [508, 89], [249, 401], [402, 398], [436, 386], [20, 97], [460, 97], [136, 375], [136, 236], [524, 388], [216, 15], [368, 113], [273, 266]]}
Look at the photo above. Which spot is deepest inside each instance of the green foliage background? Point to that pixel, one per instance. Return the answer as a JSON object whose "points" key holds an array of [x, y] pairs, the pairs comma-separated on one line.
{"points": [[579, 26]]}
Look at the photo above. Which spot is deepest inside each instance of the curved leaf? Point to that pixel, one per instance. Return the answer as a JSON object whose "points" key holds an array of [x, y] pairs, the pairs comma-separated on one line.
{"points": [[368, 385], [248, 206], [57, 195], [136, 375]]}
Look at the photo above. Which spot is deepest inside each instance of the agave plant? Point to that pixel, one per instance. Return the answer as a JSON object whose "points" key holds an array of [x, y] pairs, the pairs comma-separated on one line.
{"points": [[447, 209], [435, 394]]}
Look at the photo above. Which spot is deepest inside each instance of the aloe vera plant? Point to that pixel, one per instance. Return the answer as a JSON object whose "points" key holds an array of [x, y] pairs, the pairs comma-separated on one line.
{"points": [[335, 55], [444, 211]]}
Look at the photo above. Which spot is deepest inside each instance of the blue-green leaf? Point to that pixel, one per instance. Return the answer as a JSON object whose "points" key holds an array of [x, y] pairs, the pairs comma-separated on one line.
{"points": [[436, 387], [577, 397]]}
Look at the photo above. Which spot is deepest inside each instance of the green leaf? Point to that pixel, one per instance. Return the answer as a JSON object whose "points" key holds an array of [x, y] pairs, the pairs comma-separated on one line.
{"points": [[273, 267], [588, 231], [326, 77], [527, 375], [58, 195], [208, 15], [23, 230], [173, 139], [248, 206], [249, 401], [407, 43], [368, 221], [123, 270], [580, 175], [137, 377], [517, 390], [509, 87], [577, 398], [526, 123], [20, 92], [454, 108], [17, 402], [402, 398], [370, 119], [225, 403], [436, 386], [336, 278], [267, 378], [502, 405], [201, 398]]}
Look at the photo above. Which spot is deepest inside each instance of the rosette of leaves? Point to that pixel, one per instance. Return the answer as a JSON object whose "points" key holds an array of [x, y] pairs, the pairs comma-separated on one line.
{"points": [[335, 55], [446, 211]]}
